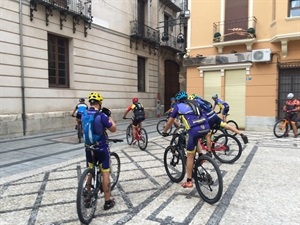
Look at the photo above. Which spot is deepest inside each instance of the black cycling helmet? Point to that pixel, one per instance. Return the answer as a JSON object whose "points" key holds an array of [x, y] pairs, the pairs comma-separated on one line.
{"points": [[81, 100]]}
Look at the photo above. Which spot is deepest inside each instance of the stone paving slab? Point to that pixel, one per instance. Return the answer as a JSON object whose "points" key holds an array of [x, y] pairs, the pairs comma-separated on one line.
{"points": [[262, 187]]}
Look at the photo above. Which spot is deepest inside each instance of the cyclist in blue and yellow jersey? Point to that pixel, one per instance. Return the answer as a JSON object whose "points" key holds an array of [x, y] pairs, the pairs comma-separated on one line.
{"points": [[168, 112], [224, 107], [213, 118], [196, 126], [80, 108]]}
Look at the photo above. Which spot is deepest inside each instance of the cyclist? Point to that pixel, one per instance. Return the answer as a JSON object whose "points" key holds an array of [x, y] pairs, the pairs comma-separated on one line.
{"points": [[292, 107], [214, 120], [138, 116], [102, 122], [79, 110], [196, 126], [173, 102], [224, 107]]}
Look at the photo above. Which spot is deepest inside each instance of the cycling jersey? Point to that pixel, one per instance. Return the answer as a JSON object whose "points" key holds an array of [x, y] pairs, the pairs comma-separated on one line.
{"points": [[139, 115], [224, 107], [81, 108]]}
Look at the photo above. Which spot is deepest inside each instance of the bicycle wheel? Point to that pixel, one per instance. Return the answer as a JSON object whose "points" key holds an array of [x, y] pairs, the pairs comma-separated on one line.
{"points": [[161, 125], [174, 162], [208, 179], [233, 124], [115, 168], [79, 132], [226, 148], [143, 140], [87, 194], [280, 128], [129, 136]]}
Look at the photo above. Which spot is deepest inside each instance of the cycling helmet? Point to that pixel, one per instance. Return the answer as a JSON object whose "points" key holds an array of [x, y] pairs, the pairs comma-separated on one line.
{"points": [[81, 100], [192, 96], [181, 95], [214, 96], [134, 100], [172, 99], [95, 96], [290, 96]]}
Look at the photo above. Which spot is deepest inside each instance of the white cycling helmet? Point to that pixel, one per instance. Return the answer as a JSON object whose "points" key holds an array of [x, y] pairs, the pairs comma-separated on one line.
{"points": [[290, 96]]}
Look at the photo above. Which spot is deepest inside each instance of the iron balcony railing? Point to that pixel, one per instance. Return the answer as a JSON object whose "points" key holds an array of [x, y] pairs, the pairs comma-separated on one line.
{"points": [[231, 30], [144, 32], [172, 42], [175, 5]]}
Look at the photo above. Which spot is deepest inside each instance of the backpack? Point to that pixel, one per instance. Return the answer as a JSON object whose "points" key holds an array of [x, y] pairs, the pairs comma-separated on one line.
{"points": [[89, 135], [198, 118], [81, 108], [138, 111]]}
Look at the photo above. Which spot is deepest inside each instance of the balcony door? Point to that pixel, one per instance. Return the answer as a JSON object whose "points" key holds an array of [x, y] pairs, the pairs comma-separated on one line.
{"points": [[141, 17]]}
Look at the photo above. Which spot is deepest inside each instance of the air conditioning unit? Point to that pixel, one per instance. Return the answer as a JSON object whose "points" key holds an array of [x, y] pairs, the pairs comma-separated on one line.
{"points": [[261, 55]]}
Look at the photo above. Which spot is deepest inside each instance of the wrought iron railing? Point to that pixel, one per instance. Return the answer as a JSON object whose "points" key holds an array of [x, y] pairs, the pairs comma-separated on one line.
{"points": [[171, 41], [175, 5], [144, 32], [231, 30]]}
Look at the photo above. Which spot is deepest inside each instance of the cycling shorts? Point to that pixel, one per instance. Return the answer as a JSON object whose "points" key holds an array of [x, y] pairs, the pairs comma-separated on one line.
{"points": [[136, 121], [194, 134], [101, 155], [225, 110]]}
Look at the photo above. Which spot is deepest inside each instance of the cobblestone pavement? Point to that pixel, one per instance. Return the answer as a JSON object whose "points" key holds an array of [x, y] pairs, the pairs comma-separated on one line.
{"points": [[262, 187]]}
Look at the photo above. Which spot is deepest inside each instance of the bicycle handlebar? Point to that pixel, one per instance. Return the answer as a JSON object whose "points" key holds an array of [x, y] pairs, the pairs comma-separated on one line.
{"points": [[115, 140]]}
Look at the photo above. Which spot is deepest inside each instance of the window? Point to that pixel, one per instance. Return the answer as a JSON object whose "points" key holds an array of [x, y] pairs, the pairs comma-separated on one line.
{"points": [[294, 8], [141, 74], [58, 61]]}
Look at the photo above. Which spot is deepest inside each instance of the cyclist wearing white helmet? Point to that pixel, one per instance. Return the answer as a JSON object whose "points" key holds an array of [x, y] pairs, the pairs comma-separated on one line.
{"points": [[79, 110], [292, 108]]}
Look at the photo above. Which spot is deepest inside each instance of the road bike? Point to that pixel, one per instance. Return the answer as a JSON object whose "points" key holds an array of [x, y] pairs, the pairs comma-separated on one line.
{"points": [[141, 136], [282, 127], [79, 129], [90, 184], [225, 147], [206, 173]]}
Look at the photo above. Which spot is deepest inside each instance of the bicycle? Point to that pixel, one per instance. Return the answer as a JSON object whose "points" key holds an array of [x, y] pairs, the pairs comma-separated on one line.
{"points": [[206, 173], [79, 129], [90, 184], [141, 136], [162, 123], [231, 123], [282, 127], [225, 147]]}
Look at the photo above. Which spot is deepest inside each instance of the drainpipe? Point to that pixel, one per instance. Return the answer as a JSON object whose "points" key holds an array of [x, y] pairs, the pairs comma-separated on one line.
{"points": [[22, 68]]}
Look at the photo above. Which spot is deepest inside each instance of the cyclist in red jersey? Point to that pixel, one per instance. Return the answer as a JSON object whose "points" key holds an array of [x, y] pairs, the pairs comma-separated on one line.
{"points": [[292, 107]]}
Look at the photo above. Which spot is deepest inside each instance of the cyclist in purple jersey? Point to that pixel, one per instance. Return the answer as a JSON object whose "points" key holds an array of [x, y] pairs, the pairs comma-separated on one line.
{"points": [[224, 107], [196, 126]]}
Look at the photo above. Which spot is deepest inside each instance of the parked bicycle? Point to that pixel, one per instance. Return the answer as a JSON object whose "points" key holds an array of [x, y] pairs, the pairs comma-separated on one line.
{"points": [[141, 136], [282, 127], [206, 173], [90, 184], [79, 130]]}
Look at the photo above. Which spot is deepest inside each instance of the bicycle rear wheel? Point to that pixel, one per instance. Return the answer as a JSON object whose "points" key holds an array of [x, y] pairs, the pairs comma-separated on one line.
{"points": [[280, 128], [79, 132], [129, 136], [161, 125], [115, 168], [143, 140], [208, 179], [174, 162], [226, 148], [232, 123], [87, 194]]}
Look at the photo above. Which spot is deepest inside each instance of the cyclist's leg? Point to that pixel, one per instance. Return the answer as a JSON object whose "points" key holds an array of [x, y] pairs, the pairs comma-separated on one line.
{"points": [[135, 123], [225, 113], [233, 129]]}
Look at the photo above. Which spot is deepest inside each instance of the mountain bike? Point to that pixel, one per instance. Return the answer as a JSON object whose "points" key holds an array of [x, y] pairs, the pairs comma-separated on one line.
{"points": [[231, 123], [162, 123], [90, 184], [141, 136], [206, 173], [282, 127]]}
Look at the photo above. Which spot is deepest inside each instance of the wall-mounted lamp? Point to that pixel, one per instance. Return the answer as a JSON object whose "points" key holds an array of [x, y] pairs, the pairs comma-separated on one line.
{"points": [[180, 39], [165, 37]]}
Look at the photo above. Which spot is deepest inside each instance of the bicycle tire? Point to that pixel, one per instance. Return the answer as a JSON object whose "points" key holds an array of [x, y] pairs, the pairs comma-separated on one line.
{"points": [[233, 124], [208, 179], [86, 213], [79, 132], [161, 125], [143, 141], [226, 148], [129, 136], [174, 163], [280, 128], [115, 168]]}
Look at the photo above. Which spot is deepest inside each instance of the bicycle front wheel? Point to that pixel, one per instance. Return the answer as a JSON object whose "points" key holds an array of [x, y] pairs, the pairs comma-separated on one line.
{"points": [[115, 168], [208, 179], [226, 148], [87, 194], [129, 136], [174, 162], [161, 125], [232, 123], [280, 128], [143, 140]]}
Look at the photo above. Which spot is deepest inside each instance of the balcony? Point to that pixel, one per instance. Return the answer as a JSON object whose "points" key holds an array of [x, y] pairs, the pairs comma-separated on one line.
{"points": [[147, 35], [172, 43], [78, 9], [234, 32], [175, 5]]}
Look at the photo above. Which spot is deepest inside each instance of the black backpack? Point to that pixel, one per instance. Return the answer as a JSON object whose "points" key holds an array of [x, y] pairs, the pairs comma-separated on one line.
{"points": [[138, 111]]}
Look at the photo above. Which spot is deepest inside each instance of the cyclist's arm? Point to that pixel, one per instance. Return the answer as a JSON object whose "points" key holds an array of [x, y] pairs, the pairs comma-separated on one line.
{"points": [[109, 123], [127, 111], [73, 114]]}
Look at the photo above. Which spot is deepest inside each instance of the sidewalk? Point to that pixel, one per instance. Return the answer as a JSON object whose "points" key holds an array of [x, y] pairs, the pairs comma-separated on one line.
{"points": [[262, 187]]}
